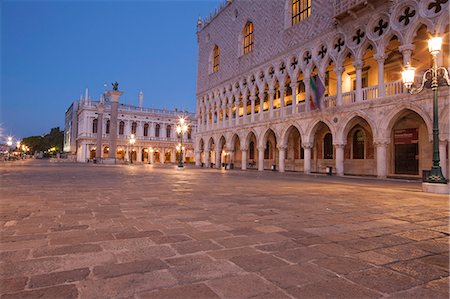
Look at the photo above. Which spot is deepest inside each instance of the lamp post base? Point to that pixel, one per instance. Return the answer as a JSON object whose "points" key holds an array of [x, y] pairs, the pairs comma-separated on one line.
{"points": [[436, 176], [435, 188]]}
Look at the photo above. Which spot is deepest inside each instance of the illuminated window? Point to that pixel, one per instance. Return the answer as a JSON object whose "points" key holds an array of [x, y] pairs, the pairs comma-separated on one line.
{"points": [[248, 37], [216, 54], [301, 9]]}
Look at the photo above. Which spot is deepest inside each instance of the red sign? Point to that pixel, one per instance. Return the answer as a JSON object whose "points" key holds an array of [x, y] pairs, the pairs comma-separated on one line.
{"points": [[406, 136]]}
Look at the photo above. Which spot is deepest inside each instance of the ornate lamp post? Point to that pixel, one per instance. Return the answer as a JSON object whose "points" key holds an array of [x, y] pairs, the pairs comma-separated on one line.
{"points": [[181, 128], [436, 74], [132, 141]]}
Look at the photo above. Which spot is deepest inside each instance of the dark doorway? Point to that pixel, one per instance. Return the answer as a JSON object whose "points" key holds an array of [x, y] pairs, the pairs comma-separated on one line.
{"points": [[406, 151]]}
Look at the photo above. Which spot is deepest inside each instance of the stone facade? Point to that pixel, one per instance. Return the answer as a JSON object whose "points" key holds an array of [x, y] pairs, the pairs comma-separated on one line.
{"points": [[154, 130], [258, 110]]}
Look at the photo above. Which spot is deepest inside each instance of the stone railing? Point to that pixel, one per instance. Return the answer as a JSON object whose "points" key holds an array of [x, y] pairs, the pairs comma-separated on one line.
{"points": [[343, 6]]}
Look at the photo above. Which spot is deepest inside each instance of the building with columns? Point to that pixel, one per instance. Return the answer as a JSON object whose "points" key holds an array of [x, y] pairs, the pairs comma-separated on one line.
{"points": [[154, 131], [305, 85]]}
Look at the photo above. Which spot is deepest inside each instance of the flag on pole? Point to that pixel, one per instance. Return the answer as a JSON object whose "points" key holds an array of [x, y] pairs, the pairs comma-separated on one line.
{"points": [[317, 91]]}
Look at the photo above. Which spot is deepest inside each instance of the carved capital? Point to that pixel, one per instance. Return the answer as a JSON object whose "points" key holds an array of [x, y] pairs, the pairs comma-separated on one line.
{"points": [[307, 145]]}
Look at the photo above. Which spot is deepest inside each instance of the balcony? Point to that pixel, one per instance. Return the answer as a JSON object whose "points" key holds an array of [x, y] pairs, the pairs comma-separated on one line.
{"points": [[343, 8], [349, 98]]}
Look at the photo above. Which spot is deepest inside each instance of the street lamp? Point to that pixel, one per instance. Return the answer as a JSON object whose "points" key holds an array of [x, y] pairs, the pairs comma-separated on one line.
{"points": [[132, 141], [9, 141], [181, 128], [434, 46]]}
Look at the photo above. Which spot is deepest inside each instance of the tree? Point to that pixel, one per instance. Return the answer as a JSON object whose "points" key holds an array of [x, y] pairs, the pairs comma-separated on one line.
{"points": [[54, 139]]}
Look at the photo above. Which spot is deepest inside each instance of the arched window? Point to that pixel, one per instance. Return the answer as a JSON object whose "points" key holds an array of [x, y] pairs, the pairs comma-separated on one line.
{"points": [[146, 130], [328, 146], [216, 54], [251, 154], [121, 127], [248, 37], [358, 144], [108, 124], [157, 127], [301, 9], [168, 129], [133, 128], [94, 125]]}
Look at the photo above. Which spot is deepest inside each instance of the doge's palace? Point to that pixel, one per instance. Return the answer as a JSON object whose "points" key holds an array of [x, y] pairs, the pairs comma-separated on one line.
{"points": [[316, 86]]}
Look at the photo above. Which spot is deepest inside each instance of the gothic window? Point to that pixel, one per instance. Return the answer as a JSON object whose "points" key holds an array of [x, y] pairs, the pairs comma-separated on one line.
{"points": [[121, 127], [301, 9], [358, 144], [328, 146], [251, 149], [94, 125], [248, 37], [133, 128], [168, 129], [157, 127], [146, 130], [189, 133], [108, 123], [216, 54]]}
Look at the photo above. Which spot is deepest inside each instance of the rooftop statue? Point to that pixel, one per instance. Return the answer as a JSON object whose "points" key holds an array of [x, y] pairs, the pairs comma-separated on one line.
{"points": [[115, 85]]}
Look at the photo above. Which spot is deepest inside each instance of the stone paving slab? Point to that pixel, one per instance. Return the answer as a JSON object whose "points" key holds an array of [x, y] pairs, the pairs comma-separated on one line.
{"points": [[141, 231]]}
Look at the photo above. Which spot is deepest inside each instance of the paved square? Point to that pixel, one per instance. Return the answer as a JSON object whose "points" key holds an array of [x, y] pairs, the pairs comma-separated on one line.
{"points": [[97, 231]]}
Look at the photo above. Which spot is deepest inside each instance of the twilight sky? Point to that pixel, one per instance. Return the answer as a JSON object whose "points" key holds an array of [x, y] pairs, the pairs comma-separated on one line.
{"points": [[52, 50]]}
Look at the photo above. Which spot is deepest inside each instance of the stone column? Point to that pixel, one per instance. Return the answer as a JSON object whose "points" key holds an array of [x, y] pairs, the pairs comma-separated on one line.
{"points": [[162, 155], [207, 122], [261, 158], [339, 159], [252, 114], [151, 155], [339, 71], [173, 156], [307, 157], [236, 104], [282, 158], [138, 154], [207, 157], [230, 116], [198, 161], [282, 90], [358, 66], [307, 92], [224, 119], [244, 114], [443, 158], [99, 147], [218, 154], [381, 87], [406, 52], [381, 158], [127, 154], [114, 96], [261, 105], [271, 96], [244, 159], [294, 87]]}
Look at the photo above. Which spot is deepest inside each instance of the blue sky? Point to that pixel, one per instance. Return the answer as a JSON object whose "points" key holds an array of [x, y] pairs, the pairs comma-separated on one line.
{"points": [[52, 50]]}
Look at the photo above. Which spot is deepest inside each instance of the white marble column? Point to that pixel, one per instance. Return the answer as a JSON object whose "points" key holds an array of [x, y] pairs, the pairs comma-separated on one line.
{"points": [[99, 147], [218, 154], [244, 114], [358, 93], [339, 71], [224, 119], [339, 148], [236, 104], [294, 87], [261, 105], [306, 78], [282, 158], [162, 155], [207, 158], [307, 157], [173, 156], [252, 114], [244, 159], [271, 96], [381, 158], [406, 52], [261, 158], [282, 91], [138, 154], [198, 161], [230, 115], [381, 87], [151, 155]]}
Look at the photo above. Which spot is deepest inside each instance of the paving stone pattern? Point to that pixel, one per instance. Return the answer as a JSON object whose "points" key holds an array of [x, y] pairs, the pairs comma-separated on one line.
{"points": [[141, 231]]}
